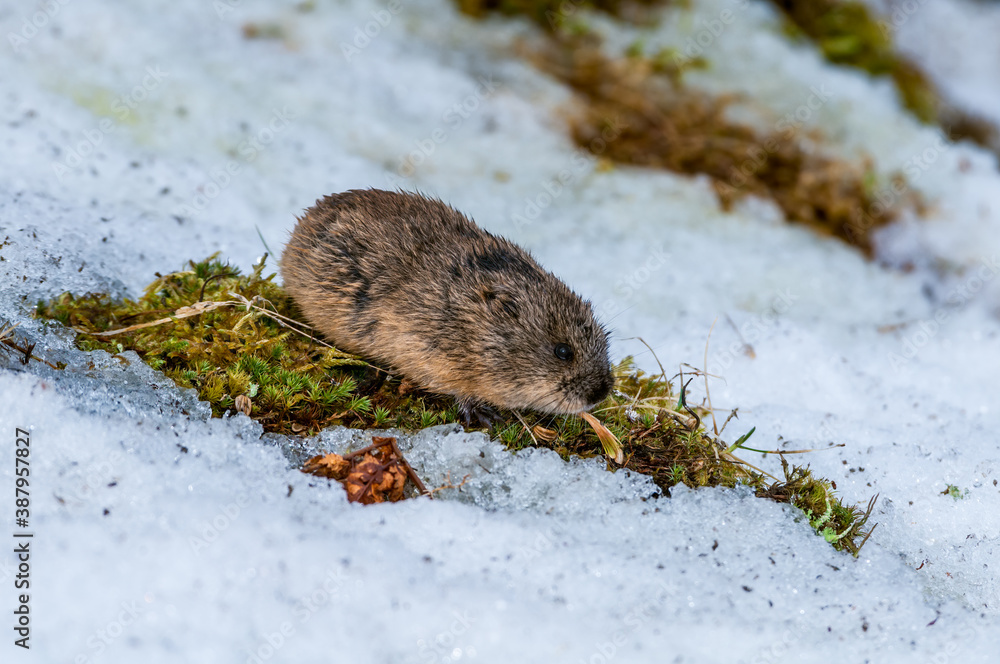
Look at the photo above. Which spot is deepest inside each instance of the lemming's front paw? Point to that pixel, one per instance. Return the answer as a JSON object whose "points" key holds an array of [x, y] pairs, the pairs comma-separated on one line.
{"points": [[485, 415]]}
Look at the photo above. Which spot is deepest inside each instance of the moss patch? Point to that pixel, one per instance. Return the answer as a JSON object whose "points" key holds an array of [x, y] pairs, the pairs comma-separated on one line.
{"points": [[553, 15], [849, 34], [637, 110], [295, 385], [210, 328]]}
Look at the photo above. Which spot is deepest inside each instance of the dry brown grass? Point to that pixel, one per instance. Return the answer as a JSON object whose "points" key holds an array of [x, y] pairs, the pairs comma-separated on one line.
{"points": [[636, 111]]}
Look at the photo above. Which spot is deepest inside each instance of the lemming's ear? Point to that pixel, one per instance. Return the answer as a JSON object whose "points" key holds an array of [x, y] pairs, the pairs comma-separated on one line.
{"points": [[499, 300]]}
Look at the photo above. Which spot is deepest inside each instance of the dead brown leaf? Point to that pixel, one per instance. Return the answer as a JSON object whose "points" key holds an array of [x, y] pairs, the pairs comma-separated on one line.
{"points": [[374, 474], [612, 446], [243, 404], [332, 466], [548, 435], [374, 480]]}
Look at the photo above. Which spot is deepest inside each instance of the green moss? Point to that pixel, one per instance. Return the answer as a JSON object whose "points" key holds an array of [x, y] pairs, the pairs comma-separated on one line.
{"points": [[955, 492], [849, 34], [236, 348], [226, 352], [554, 15], [636, 111]]}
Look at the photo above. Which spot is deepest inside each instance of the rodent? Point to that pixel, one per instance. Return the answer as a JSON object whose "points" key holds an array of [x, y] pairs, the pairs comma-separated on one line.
{"points": [[409, 282]]}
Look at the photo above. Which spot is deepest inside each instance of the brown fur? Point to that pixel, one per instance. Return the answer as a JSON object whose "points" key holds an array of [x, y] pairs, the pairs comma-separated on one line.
{"points": [[412, 283]]}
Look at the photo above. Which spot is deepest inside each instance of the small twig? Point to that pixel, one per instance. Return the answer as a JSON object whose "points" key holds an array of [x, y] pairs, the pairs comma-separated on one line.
{"points": [[195, 309], [201, 294], [868, 513], [663, 373], [295, 326], [409, 469], [735, 458], [779, 452], [732, 414], [697, 419], [526, 427], [26, 350], [658, 424], [699, 372], [869, 534], [747, 348], [201, 307], [377, 442], [708, 395], [678, 418], [449, 485], [374, 477], [383, 442], [144, 313], [284, 321]]}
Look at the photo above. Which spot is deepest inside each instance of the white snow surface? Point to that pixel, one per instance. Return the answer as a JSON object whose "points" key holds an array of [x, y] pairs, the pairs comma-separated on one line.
{"points": [[163, 535]]}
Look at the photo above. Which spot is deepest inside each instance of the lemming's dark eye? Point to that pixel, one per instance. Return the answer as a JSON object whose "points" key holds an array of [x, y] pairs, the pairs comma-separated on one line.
{"points": [[564, 352]]}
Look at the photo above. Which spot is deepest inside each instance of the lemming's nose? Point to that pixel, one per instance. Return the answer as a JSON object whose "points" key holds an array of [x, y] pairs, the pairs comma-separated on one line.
{"points": [[601, 390]]}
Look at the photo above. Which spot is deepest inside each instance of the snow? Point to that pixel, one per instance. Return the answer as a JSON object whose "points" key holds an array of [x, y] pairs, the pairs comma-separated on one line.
{"points": [[213, 548], [936, 35]]}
